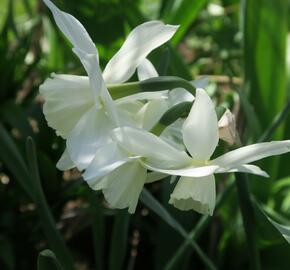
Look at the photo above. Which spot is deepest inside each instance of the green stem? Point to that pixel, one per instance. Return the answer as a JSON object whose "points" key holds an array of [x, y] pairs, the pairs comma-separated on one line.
{"points": [[124, 89], [151, 85], [248, 216]]}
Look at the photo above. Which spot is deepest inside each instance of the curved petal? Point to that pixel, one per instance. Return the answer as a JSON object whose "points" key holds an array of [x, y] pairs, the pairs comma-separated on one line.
{"points": [[146, 70], [124, 185], [155, 176], [251, 153], [151, 113], [72, 29], [200, 129], [67, 98], [145, 144], [97, 84], [246, 168], [107, 158], [143, 96], [191, 171], [91, 65], [91, 132], [173, 134], [65, 163], [179, 95], [196, 194], [140, 42]]}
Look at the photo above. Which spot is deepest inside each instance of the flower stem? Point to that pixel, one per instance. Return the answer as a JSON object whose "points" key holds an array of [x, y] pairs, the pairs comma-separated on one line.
{"points": [[150, 85], [247, 211]]}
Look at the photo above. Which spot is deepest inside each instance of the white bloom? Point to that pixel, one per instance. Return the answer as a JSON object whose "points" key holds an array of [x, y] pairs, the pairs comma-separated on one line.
{"points": [[81, 109], [196, 187]]}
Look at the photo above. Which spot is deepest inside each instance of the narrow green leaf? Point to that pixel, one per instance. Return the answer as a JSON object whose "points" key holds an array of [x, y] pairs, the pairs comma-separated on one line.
{"points": [[53, 236], [265, 33], [250, 114], [98, 228], [158, 209], [47, 261], [276, 230], [13, 160], [184, 13], [196, 231], [249, 220], [119, 240], [177, 66]]}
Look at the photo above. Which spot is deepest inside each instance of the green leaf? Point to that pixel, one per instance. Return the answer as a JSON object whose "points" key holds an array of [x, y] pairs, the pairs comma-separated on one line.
{"points": [[7, 253], [184, 13], [284, 230], [250, 114], [13, 160], [265, 32], [53, 236], [194, 234], [158, 209], [119, 240], [98, 227], [47, 261]]}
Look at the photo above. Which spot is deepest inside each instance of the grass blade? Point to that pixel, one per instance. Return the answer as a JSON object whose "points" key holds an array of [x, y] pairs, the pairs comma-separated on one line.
{"points": [[13, 160], [196, 231], [119, 241], [47, 261], [158, 209], [184, 13], [53, 236]]}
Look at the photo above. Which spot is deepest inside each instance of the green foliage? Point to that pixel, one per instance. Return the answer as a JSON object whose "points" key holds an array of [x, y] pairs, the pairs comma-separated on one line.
{"points": [[240, 45]]}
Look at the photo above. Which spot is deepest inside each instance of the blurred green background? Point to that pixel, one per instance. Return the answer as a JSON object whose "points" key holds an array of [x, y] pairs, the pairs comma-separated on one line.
{"points": [[241, 46]]}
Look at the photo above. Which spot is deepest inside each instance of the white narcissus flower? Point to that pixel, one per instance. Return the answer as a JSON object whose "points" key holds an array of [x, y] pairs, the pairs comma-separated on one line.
{"points": [[196, 187], [82, 111], [80, 108]]}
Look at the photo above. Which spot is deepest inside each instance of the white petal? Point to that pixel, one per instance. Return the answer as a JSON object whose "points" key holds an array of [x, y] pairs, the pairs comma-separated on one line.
{"points": [[91, 132], [67, 98], [97, 84], [155, 176], [172, 134], [179, 95], [196, 194], [251, 153], [246, 168], [145, 144], [140, 42], [91, 65], [190, 171], [200, 83], [151, 113], [146, 70], [124, 185], [72, 29], [65, 163], [143, 96], [200, 129], [107, 158]]}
